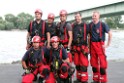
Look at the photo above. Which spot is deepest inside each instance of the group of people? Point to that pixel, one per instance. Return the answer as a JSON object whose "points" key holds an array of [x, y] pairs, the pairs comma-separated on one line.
{"points": [[52, 48]]}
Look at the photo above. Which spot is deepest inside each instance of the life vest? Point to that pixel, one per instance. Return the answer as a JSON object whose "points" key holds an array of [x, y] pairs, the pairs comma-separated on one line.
{"points": [[42, 35]]}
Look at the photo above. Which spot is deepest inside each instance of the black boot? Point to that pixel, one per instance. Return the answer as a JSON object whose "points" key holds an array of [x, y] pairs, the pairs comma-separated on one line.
{"points": [[40, 80], [35, 78]]}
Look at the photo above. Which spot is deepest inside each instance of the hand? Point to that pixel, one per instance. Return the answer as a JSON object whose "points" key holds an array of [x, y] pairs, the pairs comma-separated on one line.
{"points": [[105, 46], [48, 46], [27, 71]]}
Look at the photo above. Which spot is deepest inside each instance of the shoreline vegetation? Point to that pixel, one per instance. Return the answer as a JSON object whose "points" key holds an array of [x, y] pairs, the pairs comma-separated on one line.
{"points": [[22, 20]]}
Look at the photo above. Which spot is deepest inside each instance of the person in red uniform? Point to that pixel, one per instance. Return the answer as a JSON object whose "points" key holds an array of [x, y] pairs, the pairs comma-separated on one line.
{"points": [[59, 61], [97, 48], [50, 28], [36, 27], [33, 62], [64, 32], [80, 48]]}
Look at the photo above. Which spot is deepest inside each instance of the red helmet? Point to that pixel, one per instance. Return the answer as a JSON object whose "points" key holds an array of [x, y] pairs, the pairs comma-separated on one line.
{"points": [[63, 12], [38, 11], [51, 16], [36, 39], [54, 39]]}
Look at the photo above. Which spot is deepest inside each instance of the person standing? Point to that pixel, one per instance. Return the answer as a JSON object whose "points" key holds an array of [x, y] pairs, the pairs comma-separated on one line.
{"points": [[36, 27], [97, 48], [80, 48], [50, 28], [64, 32]]}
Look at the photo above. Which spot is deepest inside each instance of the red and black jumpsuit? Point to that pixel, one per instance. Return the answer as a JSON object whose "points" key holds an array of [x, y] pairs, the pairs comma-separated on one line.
{"points": [[80, 32]]}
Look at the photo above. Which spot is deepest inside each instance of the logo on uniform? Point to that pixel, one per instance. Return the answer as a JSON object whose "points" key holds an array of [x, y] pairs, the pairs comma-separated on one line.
{"points": [[97, 31]]}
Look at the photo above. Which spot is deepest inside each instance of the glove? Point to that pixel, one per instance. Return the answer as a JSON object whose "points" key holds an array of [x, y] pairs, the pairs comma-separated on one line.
{"points": [[67, 49], [27, 71]]}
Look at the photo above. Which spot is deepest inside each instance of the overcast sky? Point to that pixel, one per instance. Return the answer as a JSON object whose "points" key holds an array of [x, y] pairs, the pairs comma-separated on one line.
{"points": [[28, 6]]}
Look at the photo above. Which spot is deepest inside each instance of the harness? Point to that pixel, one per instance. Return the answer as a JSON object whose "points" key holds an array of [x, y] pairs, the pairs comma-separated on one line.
{"points": [[100, 36], [65, 33], [55, 62], [42, 29], [52, 56], [100, 31], [36, 64], [81, 48], [84, 25]]}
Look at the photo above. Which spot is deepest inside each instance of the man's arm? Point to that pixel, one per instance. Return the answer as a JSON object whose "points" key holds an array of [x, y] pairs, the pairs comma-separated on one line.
{"points": [[24, 64], [48, 39], [70, 38], [27, 39], [66, 60], [109, 39]]}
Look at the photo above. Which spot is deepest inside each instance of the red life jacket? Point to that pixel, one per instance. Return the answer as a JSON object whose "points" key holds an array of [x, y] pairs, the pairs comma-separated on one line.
{"points": [[42, 30]]}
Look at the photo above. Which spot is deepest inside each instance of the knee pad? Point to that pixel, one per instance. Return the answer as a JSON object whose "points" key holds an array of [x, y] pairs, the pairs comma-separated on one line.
{"points": [[64, 69], [78, 68], [44, 70], [102, 71], [94, 69], [83, 68]]}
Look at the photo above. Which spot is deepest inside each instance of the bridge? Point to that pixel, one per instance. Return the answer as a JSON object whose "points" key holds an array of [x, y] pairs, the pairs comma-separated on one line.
{"points": [[105, 11]]}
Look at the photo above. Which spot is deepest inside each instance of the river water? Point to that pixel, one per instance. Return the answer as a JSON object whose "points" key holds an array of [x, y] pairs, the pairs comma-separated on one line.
{"points": [[12, 46]]}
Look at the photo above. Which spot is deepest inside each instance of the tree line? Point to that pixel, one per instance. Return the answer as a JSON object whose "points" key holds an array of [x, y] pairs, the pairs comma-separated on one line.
{"points": [[22, 20]]}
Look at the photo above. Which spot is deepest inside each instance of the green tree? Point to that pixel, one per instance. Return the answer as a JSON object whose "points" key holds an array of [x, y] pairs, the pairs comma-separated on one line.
{"points": [[23, 20], [9, 25], [11, 19], [115, 21], [2, 24]]}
